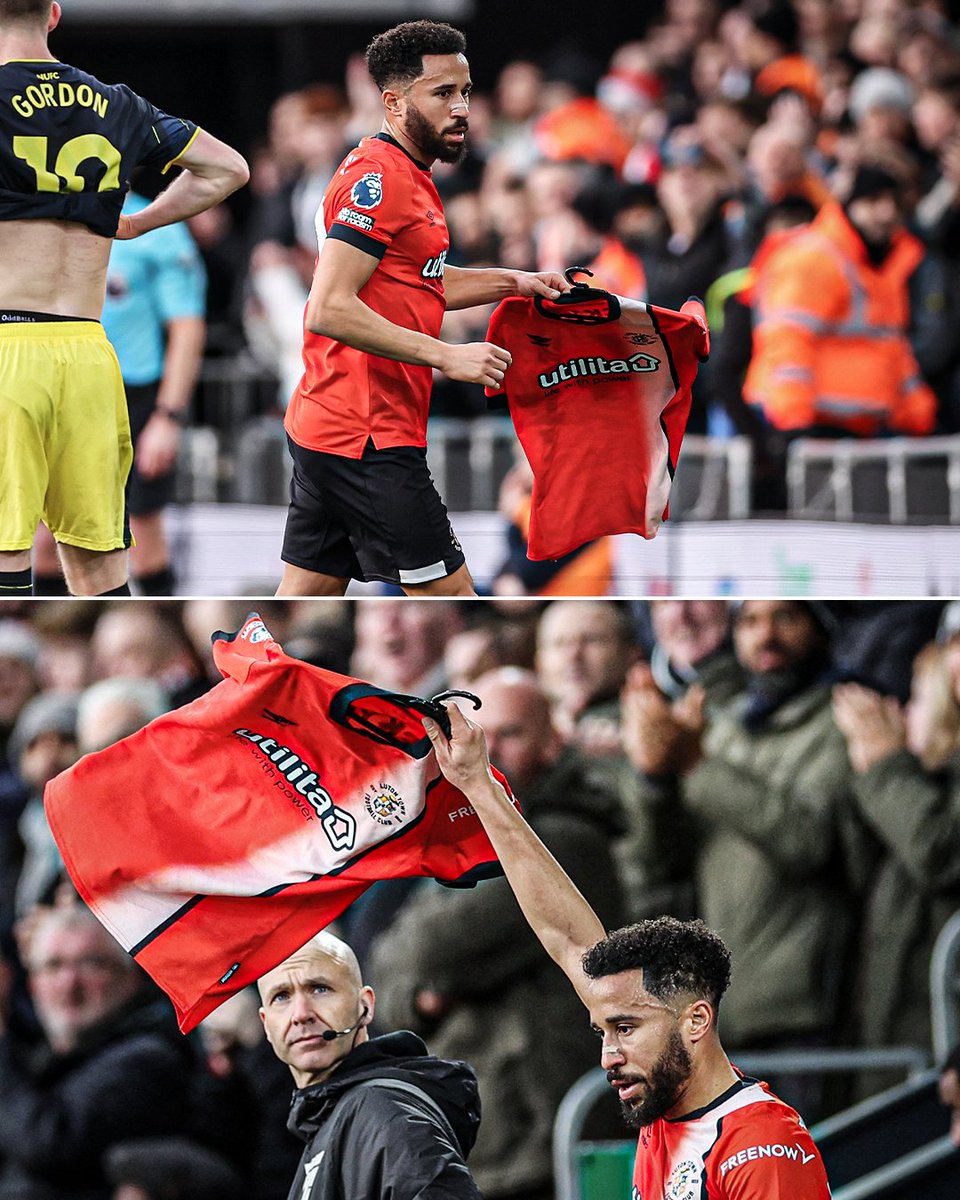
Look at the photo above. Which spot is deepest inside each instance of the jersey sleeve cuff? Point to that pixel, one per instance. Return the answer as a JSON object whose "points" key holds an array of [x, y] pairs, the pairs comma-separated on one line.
{"points": [[180, 153], [355, 237]]}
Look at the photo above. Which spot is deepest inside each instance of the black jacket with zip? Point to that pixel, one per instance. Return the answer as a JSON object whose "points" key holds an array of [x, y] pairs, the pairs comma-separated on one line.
{"points": [[375, 1142]]}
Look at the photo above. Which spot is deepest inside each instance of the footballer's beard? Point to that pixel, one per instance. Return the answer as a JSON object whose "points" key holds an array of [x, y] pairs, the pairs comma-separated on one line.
{"points": [[664, 1081], [419, 130]]}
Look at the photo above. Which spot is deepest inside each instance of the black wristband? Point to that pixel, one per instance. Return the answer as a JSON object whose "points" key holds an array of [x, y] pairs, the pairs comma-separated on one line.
{"points": [[178, 418]]}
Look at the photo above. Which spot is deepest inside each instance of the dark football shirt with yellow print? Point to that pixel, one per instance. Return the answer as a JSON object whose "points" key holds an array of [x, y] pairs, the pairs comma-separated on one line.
{"points": [[68, 144]]}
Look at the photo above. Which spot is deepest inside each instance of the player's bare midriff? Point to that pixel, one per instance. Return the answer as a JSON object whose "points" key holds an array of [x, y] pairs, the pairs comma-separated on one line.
{"points": [[54, 267]]}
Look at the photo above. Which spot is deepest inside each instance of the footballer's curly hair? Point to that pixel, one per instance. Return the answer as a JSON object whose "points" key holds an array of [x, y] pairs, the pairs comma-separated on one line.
{"points": [[677, 958], [397, 55]]}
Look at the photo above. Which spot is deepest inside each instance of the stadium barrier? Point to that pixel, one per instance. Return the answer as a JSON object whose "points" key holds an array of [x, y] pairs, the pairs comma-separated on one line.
{"points": [[239, 455], [595, 1170], [895, 480], [931, 1172], [873, 1133]]}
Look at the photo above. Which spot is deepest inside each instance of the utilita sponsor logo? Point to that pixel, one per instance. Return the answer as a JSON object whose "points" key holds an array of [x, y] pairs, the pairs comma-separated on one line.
{"points": [[339, 825], [771, 1150], [579, 368], [433, 267]]}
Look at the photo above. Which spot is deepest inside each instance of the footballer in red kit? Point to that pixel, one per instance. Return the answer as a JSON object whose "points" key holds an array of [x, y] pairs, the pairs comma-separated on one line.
{"points": [[362, 502], [653, 992]]}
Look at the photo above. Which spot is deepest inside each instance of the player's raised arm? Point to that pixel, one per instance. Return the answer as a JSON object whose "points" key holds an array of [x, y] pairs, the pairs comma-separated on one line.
{"points": [[559, 916], [211, 170]]}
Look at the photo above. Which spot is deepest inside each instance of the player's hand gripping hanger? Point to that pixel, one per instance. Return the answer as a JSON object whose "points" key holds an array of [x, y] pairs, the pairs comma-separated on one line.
{"points": [[582, 305]]}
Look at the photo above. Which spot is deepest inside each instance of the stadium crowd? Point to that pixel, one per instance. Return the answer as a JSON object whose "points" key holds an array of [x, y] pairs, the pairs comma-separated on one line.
{"points": [[795, 164], [788, 770]]}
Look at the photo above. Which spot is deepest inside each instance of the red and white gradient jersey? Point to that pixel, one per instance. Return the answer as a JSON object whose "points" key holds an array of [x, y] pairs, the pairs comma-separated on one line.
{"points": [[600, 410], [217, 840], [746, 1145], [384, 202]]}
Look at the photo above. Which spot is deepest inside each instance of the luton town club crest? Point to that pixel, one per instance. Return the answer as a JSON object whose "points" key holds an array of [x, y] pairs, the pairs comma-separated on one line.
{"points": [[384, 804]]}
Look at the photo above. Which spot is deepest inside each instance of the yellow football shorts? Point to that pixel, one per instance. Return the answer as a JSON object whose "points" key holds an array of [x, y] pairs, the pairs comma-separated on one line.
{"points": [[65, 449]]}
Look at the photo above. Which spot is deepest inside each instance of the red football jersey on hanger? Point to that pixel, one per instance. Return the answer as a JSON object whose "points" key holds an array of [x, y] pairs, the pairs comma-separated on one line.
{"points": [[218, 839], [600, 409]]}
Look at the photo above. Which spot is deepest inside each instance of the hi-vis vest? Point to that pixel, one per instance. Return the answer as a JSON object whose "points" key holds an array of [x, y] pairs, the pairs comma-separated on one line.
{"points": [[217, 840], [830, 344]]}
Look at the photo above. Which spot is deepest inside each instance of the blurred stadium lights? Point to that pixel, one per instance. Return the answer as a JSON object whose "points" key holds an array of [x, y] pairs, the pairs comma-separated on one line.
{"points": [[208, 11]]}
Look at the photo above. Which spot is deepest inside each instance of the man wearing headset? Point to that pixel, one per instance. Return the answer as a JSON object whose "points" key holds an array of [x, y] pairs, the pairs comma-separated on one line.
{"points": [[379, 1115]]}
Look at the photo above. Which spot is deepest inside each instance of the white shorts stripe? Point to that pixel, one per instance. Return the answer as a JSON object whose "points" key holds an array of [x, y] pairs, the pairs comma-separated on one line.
{"points": [[435, 570]]}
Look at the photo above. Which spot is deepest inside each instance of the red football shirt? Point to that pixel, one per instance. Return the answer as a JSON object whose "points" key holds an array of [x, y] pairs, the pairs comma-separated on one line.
{"points": [[746, 1145], [218, 839], [385, 203], [600, 410]]}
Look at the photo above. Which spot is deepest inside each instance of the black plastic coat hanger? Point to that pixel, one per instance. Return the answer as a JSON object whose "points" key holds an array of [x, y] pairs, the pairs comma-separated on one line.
{"points": [[582, 305]]}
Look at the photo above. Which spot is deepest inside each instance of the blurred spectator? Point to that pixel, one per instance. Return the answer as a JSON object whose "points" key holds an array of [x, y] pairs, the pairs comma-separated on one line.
{"points": [[114, 708], [831, 356], [584, 650], [143, 641], [772, 53], [19, 656], [753, 800], [19, 681], [576, 126], [516, 104], [494, 638], [907, 788], [202, 618], [170, 1169], [880, 103], [43, 743], [241, 1066], [692, 644], [322, 635], [307, 139], [876, 641], [731, 316], [109, 1067], [692, 183], [492, 997], [64, 628], [400, 646], [950, 1092]]}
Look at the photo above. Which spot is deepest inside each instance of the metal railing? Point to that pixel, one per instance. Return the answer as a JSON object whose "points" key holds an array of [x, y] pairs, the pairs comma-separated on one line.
{"points": [[931, 1172], [898, 480]]}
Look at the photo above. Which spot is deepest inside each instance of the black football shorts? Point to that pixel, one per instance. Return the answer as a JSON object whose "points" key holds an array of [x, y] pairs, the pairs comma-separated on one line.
{"points": [[376, 517], [145, 496]]}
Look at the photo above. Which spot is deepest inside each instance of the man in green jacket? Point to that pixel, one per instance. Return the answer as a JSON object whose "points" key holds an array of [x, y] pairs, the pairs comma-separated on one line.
{"points": [[754, 801]]}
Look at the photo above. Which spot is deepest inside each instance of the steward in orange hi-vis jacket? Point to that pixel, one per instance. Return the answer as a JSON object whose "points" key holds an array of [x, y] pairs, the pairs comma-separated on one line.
{"points": [[831, 312]]}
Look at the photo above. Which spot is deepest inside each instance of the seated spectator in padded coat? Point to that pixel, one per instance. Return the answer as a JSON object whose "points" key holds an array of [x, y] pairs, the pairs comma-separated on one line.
{"points": [[110, 1066]]}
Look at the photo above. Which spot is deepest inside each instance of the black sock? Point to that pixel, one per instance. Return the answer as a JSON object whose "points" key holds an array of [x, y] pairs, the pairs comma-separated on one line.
{"points": [[122, 590], [16, 583], [49, 585], [157, 583]]}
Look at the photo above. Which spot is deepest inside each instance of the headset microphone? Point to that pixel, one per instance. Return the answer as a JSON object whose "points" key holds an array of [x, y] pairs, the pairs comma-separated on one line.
{"points": [[330, 1035]]}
